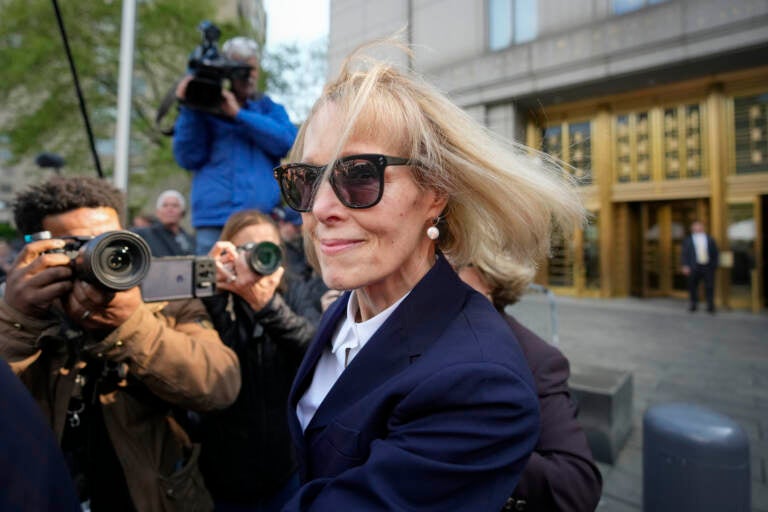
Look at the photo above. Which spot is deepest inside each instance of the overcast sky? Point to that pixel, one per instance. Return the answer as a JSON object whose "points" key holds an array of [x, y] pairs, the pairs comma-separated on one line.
{"points": [[299, 21]]}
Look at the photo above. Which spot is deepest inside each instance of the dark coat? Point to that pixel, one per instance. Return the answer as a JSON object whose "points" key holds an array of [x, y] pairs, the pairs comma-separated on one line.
{"points": [[33, 474], [247, 453], [163, 243], [437, 412], [688, 255], [561, 474]]}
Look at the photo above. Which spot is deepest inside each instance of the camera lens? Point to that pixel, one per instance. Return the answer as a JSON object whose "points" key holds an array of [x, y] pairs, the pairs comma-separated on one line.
{"points": [[116, 260], [264, 258]]}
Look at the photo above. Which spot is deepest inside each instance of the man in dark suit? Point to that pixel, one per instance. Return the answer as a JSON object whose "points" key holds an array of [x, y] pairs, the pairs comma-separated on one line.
{"points": [[699, 261], [166, 237]]}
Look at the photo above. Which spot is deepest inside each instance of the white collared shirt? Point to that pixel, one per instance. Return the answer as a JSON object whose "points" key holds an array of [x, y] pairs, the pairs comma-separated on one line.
{"points": [[348, 340], [701, 244]]}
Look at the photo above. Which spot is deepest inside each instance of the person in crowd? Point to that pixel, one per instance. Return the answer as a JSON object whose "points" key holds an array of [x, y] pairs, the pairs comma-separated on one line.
{"points": [[167, 237], [231, 155], [700, 257], [247, 458], [33, 474], [561, 474], [414, 394], [107, 369]]}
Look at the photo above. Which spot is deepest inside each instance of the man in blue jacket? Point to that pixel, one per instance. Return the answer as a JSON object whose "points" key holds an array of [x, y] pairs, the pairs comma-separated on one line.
{"points": [[232, 154]]}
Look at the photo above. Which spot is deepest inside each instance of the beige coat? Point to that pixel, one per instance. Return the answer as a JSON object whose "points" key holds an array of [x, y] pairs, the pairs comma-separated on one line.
{"points": [[172, 350]]}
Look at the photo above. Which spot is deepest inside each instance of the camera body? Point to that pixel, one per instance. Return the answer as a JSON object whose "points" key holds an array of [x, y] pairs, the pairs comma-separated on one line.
{"points": [[179, 277], [210, 71], [120, 260], [115, 260]]}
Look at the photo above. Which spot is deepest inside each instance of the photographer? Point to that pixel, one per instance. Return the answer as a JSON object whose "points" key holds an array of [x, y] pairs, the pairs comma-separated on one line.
{"points": [[232, 154], [247, 459], [107, 369]]}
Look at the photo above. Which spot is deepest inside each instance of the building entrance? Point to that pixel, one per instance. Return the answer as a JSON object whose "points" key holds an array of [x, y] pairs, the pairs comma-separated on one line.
{"points": [[658, 229]]}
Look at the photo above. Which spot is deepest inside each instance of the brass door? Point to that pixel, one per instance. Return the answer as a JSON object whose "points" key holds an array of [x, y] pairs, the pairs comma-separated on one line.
{"points": [[664, 226]]}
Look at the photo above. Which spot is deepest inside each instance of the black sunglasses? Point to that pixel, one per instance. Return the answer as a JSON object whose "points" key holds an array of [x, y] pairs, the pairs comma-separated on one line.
{"points": [[357, 180]]}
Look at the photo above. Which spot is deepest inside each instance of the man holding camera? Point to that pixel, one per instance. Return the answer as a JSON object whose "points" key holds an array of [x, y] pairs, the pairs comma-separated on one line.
{"points": [[107, 369], [231, 153]]}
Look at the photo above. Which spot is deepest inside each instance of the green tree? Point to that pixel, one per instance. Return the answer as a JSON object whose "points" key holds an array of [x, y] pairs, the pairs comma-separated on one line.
{"points": [[295, 75], [39, 107]]}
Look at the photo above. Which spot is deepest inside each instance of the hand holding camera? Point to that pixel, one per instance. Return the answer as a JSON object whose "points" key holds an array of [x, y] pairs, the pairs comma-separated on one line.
{"points": [[97, 308], [96, 277], [252, 271], [38, 277]]}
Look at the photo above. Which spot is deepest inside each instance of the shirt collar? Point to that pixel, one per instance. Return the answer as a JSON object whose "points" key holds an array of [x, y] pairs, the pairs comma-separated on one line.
{"points": [[353, 334]]}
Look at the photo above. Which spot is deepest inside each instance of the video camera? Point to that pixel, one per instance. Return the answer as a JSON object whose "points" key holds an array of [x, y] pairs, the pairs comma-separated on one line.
{"points": [[120, 260], [209, 71]]}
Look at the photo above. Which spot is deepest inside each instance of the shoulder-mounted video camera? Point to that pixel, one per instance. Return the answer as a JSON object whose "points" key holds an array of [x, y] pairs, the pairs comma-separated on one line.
{"points": [[210, 72], [120, 260]]}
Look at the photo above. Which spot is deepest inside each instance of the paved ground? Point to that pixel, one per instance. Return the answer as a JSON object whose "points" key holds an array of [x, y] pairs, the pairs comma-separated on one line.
{"points": [[720, 362]]}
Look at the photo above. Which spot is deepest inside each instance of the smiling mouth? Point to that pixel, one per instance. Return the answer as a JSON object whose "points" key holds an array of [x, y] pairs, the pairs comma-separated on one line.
{"points": [[336, 246]]}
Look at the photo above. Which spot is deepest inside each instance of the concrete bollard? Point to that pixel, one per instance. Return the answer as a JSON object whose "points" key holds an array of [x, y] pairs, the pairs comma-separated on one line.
{"points": [[694, 460]]}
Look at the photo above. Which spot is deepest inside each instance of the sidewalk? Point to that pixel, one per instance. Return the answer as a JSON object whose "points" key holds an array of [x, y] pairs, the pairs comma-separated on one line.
{"points": [[720, 362]]}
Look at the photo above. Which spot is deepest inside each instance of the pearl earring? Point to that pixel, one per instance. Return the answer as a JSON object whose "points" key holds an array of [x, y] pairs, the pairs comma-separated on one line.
{"points": [[432, 232]]}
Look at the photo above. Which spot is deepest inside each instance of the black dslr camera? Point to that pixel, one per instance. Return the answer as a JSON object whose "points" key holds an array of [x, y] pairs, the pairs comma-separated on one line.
{"points": [[209, 71], [263, 258], [115, 260], [120, 260]]}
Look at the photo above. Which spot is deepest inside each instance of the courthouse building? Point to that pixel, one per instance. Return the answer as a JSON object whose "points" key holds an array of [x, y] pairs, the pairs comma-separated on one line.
{"points": [[659, 107]]}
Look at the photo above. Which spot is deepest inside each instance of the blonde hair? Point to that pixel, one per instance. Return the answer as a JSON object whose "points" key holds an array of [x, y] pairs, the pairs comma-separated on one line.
{"points": [[504, 199]]}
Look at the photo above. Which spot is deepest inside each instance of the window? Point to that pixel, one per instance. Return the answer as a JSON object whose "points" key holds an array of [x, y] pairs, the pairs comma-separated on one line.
{"points": [[571, 144], [682, 139], [625, 6], [751, 122], [632, 147], [511, 22], [741, 239]]}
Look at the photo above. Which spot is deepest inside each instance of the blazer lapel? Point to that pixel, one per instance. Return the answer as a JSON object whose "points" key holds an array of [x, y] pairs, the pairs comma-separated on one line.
{"points": [[307, 367], [406, 334]]}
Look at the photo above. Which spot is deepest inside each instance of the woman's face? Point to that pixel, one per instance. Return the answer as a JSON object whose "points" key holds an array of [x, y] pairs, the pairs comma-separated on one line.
{"points": [[383, 249], [256, 233]]}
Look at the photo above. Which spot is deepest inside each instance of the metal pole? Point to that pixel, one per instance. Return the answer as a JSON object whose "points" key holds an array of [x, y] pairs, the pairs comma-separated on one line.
{"points": [[123, 130]]}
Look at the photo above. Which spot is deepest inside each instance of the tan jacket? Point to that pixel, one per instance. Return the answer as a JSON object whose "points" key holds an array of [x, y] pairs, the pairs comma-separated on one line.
{"points": [[173, 350]]}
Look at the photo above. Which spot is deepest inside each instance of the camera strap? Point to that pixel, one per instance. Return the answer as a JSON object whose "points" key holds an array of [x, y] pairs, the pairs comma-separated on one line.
{"points": [[168, 101]]}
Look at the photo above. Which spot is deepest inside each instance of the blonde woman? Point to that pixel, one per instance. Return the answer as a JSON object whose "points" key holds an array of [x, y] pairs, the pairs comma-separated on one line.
{"points": [[414, 394]]}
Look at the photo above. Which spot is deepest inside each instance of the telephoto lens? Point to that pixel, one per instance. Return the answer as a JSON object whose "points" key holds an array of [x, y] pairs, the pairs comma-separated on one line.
{"points": [[264, 258], [116, 260]]}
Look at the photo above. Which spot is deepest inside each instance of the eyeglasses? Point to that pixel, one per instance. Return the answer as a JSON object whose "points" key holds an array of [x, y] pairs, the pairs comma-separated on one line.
{"points": [[357, 180]]}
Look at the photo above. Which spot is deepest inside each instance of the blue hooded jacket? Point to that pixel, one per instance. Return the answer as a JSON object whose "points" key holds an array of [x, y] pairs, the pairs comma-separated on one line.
{"points": [[232, 159]]}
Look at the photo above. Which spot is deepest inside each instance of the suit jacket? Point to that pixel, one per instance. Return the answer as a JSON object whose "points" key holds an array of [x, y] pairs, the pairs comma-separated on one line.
{"points": [[163, 243], [561, 474], [437, 412], [33, 474], [688, 255]]}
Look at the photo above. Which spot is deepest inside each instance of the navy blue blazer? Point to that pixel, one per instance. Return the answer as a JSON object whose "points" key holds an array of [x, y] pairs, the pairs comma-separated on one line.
{"points": [[33, 474], [437, 412]]}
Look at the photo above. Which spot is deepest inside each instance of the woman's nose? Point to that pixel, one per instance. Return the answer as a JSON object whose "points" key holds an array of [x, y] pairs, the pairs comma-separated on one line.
{"points": [[325, 202]]}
